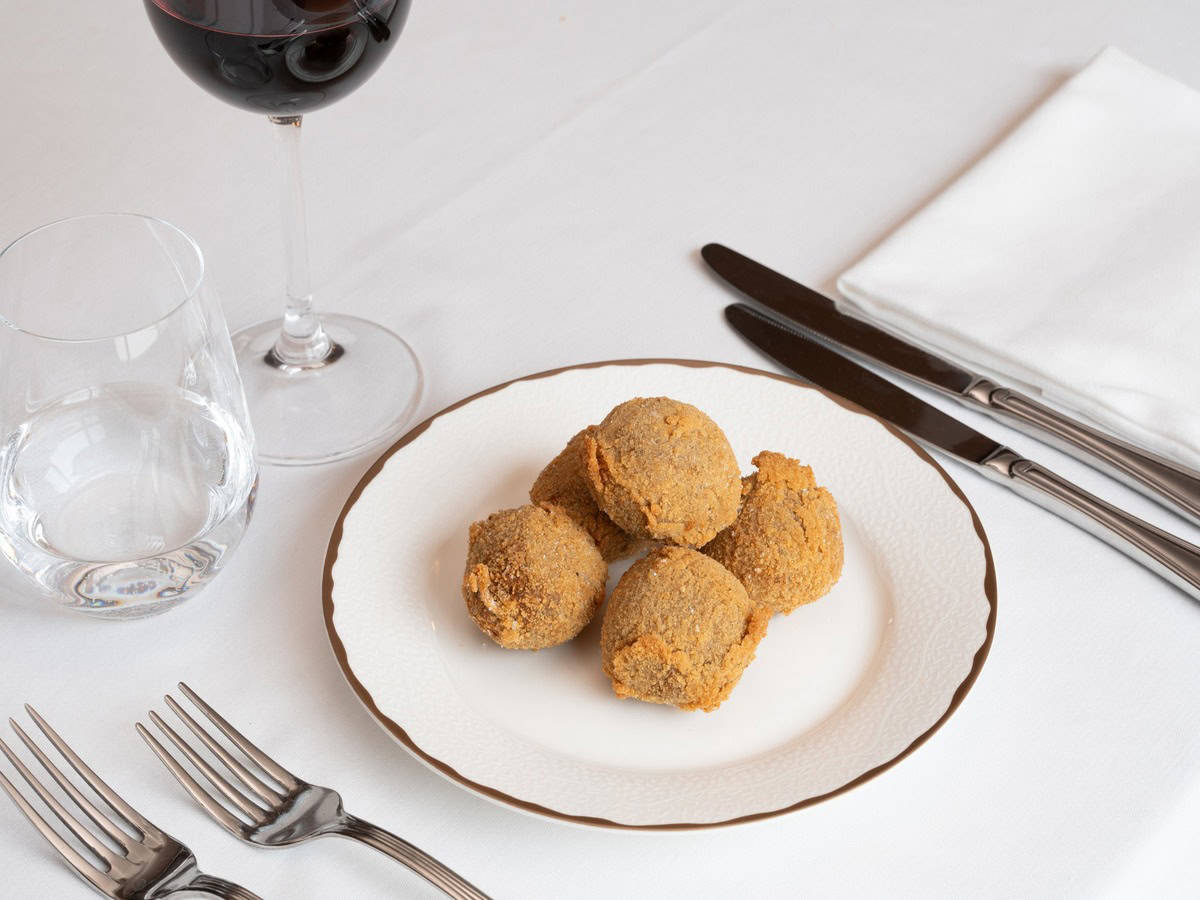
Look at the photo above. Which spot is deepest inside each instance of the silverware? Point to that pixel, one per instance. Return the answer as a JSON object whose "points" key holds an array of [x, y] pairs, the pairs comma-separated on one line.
{"points": [[283, 810], [149, 865], [1171, 557], [1163, 480]]}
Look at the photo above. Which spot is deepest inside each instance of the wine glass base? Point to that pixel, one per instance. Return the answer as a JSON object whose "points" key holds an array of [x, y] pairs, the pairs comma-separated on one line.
{"points": [[304, 417]]}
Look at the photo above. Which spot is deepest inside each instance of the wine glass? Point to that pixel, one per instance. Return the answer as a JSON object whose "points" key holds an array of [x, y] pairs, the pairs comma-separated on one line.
{"points": [[320, 387], [127, 471]]}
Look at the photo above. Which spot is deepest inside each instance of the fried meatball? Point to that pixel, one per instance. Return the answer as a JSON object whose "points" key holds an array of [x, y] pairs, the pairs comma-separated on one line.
{"points": [[786, 545], [662, 470], [561, 483], [679, 629], [534, 577]]}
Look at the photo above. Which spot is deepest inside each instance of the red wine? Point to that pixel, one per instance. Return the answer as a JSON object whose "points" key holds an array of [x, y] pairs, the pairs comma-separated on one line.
{"points": [[279, 57]]}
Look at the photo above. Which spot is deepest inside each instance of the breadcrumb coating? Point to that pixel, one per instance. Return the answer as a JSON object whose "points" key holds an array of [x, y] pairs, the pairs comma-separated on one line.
{"points": [[562, 484], [662, 470], [534, 577], [679, 629], [786, 544]]}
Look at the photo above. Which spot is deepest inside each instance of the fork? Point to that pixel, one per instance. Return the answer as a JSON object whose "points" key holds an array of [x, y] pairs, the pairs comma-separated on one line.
{"points": [[152, 866], [287, 812]]}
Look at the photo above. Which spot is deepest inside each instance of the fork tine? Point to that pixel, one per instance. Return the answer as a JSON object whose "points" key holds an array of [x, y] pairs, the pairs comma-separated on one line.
{"points": [[268, 765], [247, 777], [83, 866], [102, 821], [76, 828], [223, 816], [232, 794], [111, 797]]}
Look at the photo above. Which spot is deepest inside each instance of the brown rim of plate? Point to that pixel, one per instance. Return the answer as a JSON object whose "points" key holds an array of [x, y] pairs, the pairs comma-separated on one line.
{"points": [[398, 732]]}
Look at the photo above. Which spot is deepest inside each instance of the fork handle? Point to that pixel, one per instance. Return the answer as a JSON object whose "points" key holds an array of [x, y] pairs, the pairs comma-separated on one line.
{"points": [[441, 877], [218, 887]]}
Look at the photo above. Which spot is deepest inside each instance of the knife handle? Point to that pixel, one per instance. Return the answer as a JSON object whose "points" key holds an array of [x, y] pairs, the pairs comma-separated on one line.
{"points": [[1163, 553], [1159, 479]]}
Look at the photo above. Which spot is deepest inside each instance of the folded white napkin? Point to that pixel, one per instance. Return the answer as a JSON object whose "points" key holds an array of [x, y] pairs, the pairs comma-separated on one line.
{"points": [[1067, 261]]}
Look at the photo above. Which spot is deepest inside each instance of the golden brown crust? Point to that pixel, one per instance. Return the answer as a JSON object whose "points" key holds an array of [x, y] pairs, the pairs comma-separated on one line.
{"points": [[562, 484], [662, 470], [786, 544], [534, 577], [679, 629]]}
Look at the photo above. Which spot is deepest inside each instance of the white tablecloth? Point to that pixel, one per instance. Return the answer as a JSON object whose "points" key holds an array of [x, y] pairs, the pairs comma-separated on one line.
{"points": [[525, 186]]}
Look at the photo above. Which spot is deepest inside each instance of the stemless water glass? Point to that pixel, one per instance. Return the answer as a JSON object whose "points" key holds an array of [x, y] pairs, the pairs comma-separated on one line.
{"points": [[127, 471]]}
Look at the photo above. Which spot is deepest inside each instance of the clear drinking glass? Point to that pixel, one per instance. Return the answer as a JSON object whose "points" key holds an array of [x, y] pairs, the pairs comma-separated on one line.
{"points": [[127, 472], [320, 387]]}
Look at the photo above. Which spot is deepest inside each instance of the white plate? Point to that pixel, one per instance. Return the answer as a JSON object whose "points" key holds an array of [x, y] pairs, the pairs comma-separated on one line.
{"points": [[839, 690]]}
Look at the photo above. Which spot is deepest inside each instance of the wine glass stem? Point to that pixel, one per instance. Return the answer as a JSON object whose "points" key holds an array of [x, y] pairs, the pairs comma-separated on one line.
{"points": [[302, 342]]}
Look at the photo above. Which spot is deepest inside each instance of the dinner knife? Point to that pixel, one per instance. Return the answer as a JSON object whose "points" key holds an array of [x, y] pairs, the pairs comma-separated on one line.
{"points": [[1169, 556], [1163, 480]]}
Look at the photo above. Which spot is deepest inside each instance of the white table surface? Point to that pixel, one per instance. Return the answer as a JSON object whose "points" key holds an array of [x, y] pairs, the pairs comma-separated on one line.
{"points": [[525, 186]]}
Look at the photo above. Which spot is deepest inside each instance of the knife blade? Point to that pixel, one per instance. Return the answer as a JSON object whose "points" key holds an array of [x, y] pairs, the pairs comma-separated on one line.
{"points": [[1165, 481], [848, 379], [1168, 556], [803, 306]]}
